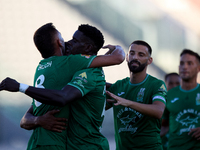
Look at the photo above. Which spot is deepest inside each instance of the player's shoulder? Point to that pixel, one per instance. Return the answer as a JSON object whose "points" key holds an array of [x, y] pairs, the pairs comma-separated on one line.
{"points": [[154, 80], [121, 82]]}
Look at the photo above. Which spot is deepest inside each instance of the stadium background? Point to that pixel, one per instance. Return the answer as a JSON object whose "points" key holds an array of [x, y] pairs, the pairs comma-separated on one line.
{"points": [[167, 25]]}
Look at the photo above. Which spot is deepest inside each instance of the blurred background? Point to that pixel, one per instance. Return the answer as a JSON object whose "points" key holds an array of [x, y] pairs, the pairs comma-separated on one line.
{"points": [[168, 26]]}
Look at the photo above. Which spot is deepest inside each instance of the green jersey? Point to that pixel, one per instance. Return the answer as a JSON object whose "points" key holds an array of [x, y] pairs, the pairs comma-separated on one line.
{"points": [[54, 73], [134, 130], [87, 113], [183, 112]]}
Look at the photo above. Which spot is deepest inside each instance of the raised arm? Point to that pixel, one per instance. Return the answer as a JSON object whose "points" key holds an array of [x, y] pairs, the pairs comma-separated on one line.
{"points": [[114, 56]]}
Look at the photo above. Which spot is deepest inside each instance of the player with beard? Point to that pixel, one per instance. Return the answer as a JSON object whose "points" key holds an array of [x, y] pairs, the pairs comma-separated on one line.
{"points": [[139, 102]]}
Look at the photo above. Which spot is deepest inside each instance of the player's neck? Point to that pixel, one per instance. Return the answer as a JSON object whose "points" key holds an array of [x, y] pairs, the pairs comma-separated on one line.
{"points": [[137, 77], [188, 85]]}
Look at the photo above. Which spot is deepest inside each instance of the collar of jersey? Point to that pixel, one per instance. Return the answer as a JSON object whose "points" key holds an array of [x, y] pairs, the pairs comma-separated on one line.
{"points": [[189, 90], [140, 82]]}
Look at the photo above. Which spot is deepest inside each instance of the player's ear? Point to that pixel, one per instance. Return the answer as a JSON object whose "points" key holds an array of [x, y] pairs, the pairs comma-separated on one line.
{"points": [[60, 43], [127, 57], [150, 60]]}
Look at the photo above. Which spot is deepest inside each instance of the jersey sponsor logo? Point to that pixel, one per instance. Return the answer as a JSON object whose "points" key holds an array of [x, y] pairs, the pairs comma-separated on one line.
{"points": [[83, 75], [186, 129], [48, 64], [140, 95], [198, 99], [86, 56], [119, 94], [127, 122], [188, 118], [174, 100]]}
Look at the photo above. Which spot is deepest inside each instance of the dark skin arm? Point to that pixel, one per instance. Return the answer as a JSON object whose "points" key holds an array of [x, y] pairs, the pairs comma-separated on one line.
{"points": [[29, 121], [164, 127], [45, 96], [114, 56]]}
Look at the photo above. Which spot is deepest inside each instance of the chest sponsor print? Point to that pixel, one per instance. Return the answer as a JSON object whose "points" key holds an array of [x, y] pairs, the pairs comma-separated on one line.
{"points": [[127, 121]]}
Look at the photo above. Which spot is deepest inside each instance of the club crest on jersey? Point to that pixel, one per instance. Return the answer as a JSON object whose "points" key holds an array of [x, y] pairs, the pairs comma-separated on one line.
{"points": [[140, 95], [86, 56], [83, 75], [198, 99]]}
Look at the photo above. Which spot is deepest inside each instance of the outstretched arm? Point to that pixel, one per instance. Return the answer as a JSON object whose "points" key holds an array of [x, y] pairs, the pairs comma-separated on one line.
{"points": [[47, 121], [46, 96], [114, 56], [155, 109]]}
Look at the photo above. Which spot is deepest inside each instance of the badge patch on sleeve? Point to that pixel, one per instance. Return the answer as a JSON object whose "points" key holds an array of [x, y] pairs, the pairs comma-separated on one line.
{"points": [[86, 56]]}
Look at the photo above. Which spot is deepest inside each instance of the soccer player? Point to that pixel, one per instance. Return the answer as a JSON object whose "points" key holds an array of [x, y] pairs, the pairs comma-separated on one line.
{"points": [[139, 102], [55, 71], [171, 80], [183, 105]]}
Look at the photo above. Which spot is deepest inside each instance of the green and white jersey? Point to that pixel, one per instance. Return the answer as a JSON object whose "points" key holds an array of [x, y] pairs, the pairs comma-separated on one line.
{"points": [[54, 73], [87, 113], [134, 130], [183, 112]]}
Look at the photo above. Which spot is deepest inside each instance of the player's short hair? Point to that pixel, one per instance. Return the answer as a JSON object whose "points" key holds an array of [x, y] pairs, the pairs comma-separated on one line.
{"points": [[170, 74], [93, 34], [44, 39], [140, 42], [188, 51]]}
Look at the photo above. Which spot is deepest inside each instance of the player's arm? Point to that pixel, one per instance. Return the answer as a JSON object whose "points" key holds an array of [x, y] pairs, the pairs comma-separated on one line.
{"points": [[28, 121], [114, 56], [46, 96], [47, 121], [155, 109], [165, 127]]}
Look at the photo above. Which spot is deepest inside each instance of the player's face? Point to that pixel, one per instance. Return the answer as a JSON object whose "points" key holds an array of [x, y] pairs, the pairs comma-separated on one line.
{"points": [[78, 44], [138, 58], [188, 67], [172, 81]]}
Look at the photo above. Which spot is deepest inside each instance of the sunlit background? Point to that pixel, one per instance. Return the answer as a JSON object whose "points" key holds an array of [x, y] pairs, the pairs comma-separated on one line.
{"points": [[168, 26]]}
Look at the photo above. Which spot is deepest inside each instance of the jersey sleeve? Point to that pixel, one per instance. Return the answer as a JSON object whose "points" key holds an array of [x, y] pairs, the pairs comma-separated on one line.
{"points": [[82, 60], [160, 92], [84, 81]]}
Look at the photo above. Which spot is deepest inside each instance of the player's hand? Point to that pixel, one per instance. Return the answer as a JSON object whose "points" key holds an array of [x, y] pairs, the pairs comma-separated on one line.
{"points": [[118, 100], [50, 122], [9, 84], [110, 47], [195, 132]]}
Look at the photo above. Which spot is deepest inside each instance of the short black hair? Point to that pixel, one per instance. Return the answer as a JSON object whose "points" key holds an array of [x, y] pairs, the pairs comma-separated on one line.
{"points": [[170, 74], [188, 51], [44, 39], [140, 42], [93, 33]]}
